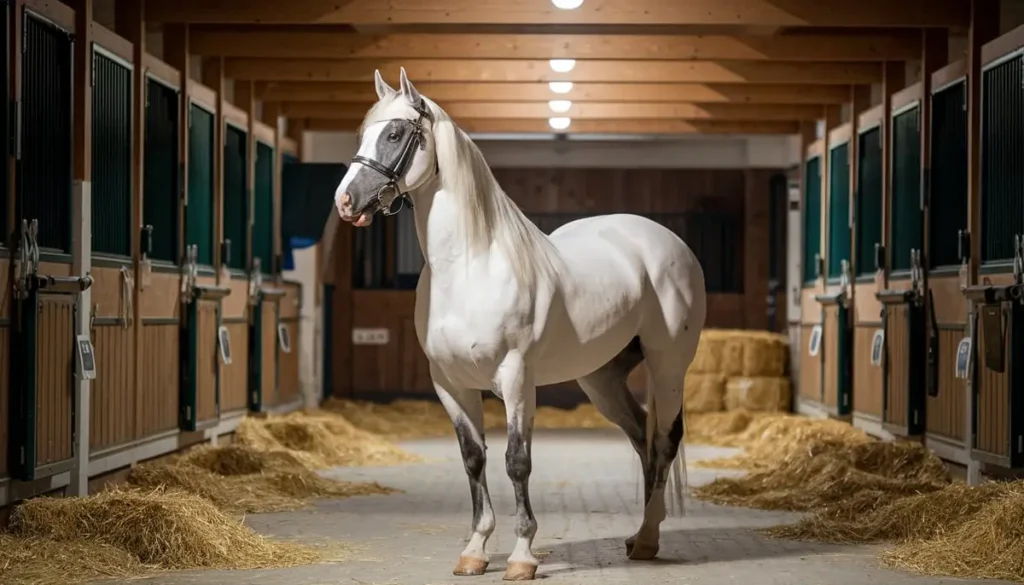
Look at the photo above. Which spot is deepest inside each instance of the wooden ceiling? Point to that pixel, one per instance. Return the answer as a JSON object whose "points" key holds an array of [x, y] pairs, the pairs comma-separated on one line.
{"points": [[641, 66]]}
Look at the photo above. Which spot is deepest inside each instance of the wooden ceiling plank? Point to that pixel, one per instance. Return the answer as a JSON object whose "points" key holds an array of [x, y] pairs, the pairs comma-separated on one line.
{"points": [[488, 125], [477, 70], [577, 111], [781, 13], [315, 42], [362, 92]]}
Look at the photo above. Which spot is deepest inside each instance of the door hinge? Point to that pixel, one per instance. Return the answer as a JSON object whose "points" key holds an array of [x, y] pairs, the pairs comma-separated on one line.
{"points": [[22, 451], [1020, 443], [15, 125], [188, 413], [915, 416]]}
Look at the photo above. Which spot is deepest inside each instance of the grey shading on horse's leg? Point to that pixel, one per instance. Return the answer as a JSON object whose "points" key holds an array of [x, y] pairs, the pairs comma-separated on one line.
{"points": [[465, 408], [516, 387], [607, 390]]}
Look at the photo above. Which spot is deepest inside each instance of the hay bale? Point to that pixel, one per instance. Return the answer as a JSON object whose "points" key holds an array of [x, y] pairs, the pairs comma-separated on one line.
{"points": [[704, 393], [241, 480], [320, 439], [709, 356], [160, 529], [828, 472], [760, 394], [876, 517], [736, 352], [988, 545]]}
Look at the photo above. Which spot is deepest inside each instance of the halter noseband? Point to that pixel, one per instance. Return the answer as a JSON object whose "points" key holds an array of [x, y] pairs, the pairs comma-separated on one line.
{"points": [[395, 169]]}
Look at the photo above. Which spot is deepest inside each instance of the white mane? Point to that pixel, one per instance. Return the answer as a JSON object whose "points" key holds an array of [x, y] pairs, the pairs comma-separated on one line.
{"points": [[489, 215]]}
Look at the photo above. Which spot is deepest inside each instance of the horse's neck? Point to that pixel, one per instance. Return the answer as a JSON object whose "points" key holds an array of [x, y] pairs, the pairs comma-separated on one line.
{"points": [[443, 237]]}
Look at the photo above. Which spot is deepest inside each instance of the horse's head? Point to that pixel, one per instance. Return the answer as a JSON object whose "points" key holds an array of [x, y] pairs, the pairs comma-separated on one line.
{"points": [[395, 156]]}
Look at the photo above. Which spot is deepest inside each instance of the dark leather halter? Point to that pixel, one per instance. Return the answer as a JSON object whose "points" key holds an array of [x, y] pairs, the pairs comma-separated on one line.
{"points": [[393, 170]]}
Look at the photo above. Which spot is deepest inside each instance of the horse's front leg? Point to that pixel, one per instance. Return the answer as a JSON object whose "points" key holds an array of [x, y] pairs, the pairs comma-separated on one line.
{"points": [[520, 396], [465, 408]]}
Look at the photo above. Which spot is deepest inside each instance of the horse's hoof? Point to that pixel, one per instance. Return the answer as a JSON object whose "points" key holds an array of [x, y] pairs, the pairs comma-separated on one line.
{"points": [[469, 567], [520, 572], [642, 552]]}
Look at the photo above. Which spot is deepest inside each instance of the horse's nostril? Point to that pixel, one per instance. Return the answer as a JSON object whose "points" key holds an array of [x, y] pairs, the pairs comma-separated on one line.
{"points": [[346, 199]]}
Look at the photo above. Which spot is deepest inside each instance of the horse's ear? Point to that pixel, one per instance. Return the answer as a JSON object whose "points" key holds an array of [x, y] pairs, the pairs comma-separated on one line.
{"points": [[383, 89], [408, 90]]}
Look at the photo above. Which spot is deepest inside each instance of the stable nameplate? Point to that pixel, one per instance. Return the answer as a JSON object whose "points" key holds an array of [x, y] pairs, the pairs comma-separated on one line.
{"points": [[963, 358], [86, 358], [370, 336], [283, 339], [224, 344], [814, 343], [877, 344]]}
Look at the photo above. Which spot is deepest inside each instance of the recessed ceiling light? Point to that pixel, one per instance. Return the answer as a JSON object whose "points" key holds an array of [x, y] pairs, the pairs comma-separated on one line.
{"points": [[562, 65], [567, 4], [559, 106], [560, 123], [560, 86]]}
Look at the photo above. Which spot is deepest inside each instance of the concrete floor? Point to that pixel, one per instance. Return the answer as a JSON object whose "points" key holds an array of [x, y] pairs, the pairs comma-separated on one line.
{"points": [[584, 495]]}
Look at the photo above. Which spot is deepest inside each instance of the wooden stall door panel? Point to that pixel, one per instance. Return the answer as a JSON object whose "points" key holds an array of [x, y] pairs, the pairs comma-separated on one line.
{"points": [[54, 396], [830, 351], [897, 356], [946, 411], [208, 356], [160, 378], [394, 366], [5, 388], [867, 394], [992, 402], [288, 365], [810, 368], [111, 413], [234, 376], [268, 353]]}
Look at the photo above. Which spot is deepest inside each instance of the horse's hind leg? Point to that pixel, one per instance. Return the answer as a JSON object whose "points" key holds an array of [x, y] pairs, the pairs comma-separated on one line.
{"points": [[666, 370], [465, 408]]}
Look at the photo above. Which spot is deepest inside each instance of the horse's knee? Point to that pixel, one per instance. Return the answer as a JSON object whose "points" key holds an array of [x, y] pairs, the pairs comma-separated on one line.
{"points": [[517, 458]]}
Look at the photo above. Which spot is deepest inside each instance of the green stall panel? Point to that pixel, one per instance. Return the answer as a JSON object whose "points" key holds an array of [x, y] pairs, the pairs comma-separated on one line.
{"points": [[1002, 153], [838, 209], [162, 173], [812, 217], [263, 212], [869, 200], [111, 155], [199, 198], [948, 203], [236, 196], [907, 216]]}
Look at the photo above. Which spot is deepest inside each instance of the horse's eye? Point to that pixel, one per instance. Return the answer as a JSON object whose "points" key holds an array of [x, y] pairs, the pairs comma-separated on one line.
{"points": [[393, 137]]}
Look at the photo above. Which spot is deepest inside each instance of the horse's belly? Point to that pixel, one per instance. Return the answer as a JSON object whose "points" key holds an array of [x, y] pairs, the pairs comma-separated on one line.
{"points": [[566, 358]]}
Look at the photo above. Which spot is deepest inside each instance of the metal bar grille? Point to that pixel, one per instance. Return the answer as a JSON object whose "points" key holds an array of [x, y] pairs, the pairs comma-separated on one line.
{"points": [[160, 201], [812, 216], [948, 202], [869, 200], [907, 222], [111, 156], [199, 216], [44, 169], [236, 204], [1002, 146], [838, 209]]}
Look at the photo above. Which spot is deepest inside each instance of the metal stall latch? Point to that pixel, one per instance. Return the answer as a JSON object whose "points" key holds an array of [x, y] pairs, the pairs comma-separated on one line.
{"points": [[26, 263], [255, 282], [189, 273]]}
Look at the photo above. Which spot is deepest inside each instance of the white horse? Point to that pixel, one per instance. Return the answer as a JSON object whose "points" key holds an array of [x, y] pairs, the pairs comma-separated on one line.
{"points": [[502, 307]]}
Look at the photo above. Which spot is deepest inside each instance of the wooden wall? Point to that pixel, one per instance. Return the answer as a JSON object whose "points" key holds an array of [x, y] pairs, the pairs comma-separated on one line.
{"points": [[400, 365]]}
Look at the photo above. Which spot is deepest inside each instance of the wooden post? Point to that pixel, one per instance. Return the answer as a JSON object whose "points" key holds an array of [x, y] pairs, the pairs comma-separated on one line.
{"points": [[272, 117], [893, 78], [832, 119], [245, 98], [81, 228], [129, 24]]}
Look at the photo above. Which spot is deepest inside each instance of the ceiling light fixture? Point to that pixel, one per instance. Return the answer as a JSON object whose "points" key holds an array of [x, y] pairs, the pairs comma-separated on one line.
{"points": [[560, 123], [562, 65], [567, 4], [560, 86], [559, 106]]}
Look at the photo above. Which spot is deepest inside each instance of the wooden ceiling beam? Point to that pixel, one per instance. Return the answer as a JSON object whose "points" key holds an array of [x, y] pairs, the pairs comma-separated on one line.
{"points": [[493, 125], [780, 13], [749, 93], [577, 111], [320, 42], [477, 70]]}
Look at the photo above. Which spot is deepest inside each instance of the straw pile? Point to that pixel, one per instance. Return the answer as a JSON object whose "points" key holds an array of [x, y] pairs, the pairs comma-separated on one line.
{"points": [[830, 472], [122, 533], [772, 439], [988, 544], [241, 480], [738, 370], [319, 439]]}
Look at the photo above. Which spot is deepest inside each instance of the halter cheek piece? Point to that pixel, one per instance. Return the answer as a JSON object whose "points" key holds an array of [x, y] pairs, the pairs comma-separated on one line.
{"points": [[393, 170]]}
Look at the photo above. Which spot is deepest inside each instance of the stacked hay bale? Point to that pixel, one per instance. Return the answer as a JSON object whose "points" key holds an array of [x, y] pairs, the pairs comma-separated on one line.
{"points": [[738, 370]]}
